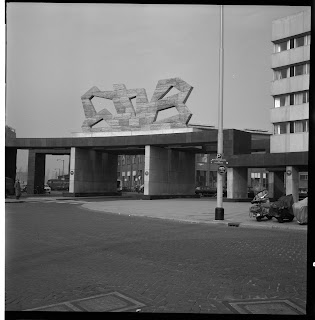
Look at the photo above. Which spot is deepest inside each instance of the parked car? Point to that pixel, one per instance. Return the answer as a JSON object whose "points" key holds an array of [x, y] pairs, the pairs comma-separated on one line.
{"points": [[47, 188], [56, 184], [208, 191], [303, 193]]}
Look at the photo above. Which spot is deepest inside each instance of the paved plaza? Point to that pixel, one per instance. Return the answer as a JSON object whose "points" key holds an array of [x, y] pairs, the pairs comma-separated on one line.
{"points": [[160, 256]]}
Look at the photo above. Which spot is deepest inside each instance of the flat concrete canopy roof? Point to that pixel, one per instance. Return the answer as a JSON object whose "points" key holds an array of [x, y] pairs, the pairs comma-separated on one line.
{"points": [[200, 142], [238, 146], [269, 160]]}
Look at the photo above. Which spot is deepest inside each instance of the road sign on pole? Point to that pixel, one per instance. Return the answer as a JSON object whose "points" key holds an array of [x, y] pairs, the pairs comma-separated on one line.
{"points": [[219, 210], [222, 169], [219, 161]]}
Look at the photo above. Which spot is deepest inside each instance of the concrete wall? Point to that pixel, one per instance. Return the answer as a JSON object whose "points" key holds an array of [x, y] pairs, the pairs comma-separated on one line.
{"points": [[289, 113], [290, 142], [93, 171], [292, 84], [276, 186], [36, 170], [236, 183], [291, 25], [292, 182], [168, 172], [289, 57], [10, 163]]}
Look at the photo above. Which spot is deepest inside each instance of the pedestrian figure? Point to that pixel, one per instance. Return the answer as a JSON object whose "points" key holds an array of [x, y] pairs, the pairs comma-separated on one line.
{"points": [[17, 188]]}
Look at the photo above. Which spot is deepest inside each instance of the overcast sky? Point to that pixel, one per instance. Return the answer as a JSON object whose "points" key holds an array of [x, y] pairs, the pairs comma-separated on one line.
{"points": [[57, 52]]}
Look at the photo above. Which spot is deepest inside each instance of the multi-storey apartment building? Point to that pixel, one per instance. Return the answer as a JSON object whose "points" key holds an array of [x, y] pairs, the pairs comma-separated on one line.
{"points": [[290, 87], [290, 62]]}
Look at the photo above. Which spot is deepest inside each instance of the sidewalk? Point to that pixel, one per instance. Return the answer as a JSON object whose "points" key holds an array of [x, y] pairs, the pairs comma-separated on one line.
{"points": [[236, 214], [192, 210]]}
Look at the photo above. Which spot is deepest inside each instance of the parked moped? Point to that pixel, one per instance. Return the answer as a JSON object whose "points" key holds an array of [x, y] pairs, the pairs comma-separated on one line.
{"points": [[260, 208]]}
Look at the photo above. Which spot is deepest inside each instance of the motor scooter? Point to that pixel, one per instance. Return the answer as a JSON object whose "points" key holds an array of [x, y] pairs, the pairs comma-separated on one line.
{"points": [[261, 204]]}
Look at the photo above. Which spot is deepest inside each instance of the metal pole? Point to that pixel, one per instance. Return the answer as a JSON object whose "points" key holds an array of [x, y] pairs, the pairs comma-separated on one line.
{"points": [[219, 210]]}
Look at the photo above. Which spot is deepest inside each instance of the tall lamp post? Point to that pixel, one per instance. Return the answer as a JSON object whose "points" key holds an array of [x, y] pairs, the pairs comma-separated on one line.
{"points": [[219, 210], [63, 166]]}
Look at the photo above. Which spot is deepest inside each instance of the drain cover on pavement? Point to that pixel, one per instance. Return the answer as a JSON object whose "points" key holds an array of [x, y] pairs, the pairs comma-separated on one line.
{"points": [[114, 302], [265, 307]]}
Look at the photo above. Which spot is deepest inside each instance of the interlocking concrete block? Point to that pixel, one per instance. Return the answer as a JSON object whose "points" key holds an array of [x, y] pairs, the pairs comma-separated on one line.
{"points": [[143, 111], [114, 122], [123, 122], [169, 119], [119, 87], [134, 122]]}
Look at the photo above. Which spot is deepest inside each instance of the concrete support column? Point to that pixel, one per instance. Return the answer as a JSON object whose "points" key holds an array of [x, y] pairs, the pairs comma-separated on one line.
{"points": [[10, 163], [236, 183], [271, 178], [276, 186], [292, 182], [168, 172], [36, 170], [92, 172]]}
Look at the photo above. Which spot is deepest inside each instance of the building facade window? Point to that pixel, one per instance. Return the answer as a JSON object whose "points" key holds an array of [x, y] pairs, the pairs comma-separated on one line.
{"points": [[280, 73], [202, 158], [213, 179], [304, 176], [301, 97], [299, 42], [201, 178], [299, 126], [300, 69], [123, 160], [292, 43], [294, 98], [280, 128], [281, 46], [293, 71], [281, 101]]}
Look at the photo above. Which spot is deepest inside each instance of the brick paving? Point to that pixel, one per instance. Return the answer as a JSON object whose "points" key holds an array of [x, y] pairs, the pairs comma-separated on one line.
{"points": [[59, 252]]}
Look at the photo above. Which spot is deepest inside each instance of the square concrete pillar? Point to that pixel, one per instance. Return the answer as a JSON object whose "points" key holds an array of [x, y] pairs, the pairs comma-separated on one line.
{"points": [[276, 184], [92, 172], [168, 172], [237, 183], [271, 177], [10, 163], [292, 182], [36, 170]]}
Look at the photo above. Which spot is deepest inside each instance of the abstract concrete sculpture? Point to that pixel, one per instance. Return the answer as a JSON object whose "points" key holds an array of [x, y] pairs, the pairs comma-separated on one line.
{"points": [[144, 115]]}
